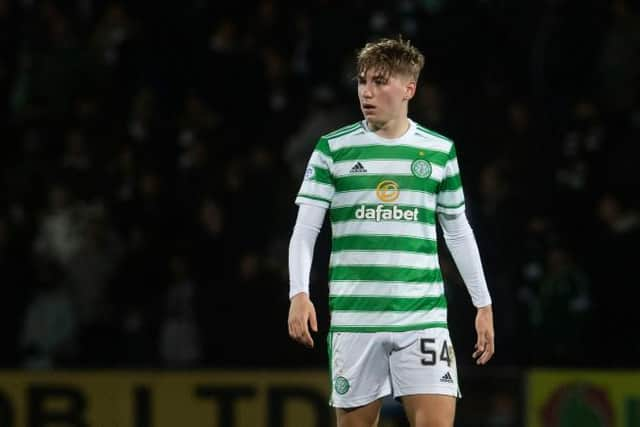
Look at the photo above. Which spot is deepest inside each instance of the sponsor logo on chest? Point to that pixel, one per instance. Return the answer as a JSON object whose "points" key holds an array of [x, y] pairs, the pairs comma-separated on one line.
{"points": [[386, 213]]}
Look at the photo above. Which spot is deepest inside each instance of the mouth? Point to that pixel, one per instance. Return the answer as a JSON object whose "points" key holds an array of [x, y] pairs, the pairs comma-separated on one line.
{"points": [[368, 108]]}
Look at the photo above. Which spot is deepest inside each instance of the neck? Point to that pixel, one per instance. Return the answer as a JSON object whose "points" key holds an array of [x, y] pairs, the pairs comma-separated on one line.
{"points": [[391, 129]]}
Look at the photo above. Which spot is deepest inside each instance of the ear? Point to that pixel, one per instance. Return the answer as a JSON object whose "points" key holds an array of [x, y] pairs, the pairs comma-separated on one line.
{"points": [[409, 90]]}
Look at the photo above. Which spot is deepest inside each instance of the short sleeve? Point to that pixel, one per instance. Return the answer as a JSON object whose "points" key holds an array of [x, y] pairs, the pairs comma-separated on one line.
{"points": [[450, 199], [317, 185]]}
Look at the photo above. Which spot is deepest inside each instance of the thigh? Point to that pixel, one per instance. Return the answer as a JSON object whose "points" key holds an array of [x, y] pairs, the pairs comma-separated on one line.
{"points": [[363, 416], [423, 362], [359, 366], [430, 410]]}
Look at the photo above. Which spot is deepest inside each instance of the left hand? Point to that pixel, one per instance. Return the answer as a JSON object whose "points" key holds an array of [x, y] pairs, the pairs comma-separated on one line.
{"points": [[485, 346]]}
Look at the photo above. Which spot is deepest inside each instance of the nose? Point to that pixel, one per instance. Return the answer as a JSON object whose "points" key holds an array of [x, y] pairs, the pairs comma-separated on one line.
{"points": [[366, 91]]}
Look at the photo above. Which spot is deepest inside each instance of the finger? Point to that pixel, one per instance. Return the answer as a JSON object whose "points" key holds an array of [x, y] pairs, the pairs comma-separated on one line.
{"points": [[313, 321], [488, 354], [480, 358], [484, 358], [306, 339], [295, 328], [292, 326], [489, 349], [480, 347], [302, 334]]}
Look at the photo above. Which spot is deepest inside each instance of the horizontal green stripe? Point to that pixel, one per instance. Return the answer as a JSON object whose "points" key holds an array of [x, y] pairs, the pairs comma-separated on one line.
{"points": [[442, 205], [311, 196], [370, 182], [323, 147], [450, 183], [384, 274], [388, 243], [342, 130], [453, 153], [368, 303], [425, 216], [384, 152], [387, 328], [430, 132], [322, 175]]}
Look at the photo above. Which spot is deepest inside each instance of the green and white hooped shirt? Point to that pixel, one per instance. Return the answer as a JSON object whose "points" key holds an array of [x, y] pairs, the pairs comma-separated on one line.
{"points": [[383, 196]]}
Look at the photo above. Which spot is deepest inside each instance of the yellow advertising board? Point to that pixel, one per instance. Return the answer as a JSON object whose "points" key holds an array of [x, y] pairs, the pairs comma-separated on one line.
{"points": [[569, 398], [165, 399]]}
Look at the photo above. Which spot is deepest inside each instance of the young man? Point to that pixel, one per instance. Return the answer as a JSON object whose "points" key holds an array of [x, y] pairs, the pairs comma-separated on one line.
{"points": [[385, 180]]}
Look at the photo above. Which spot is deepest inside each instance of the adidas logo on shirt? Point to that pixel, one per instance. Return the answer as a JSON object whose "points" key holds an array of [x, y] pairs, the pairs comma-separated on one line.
{"points": [[446, 378], [358, 168]]}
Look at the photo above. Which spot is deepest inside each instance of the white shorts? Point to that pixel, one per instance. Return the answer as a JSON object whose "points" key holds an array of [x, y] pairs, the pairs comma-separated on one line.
{"points": [[368, 366]]}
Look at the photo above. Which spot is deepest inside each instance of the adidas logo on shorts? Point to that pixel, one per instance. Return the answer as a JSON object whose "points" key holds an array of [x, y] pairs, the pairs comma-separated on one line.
{"points": [[358, 168], [446, 378]]}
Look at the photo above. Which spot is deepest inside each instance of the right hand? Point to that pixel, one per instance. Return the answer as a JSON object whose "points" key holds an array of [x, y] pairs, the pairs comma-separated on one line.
{"points": [[302, 313]]}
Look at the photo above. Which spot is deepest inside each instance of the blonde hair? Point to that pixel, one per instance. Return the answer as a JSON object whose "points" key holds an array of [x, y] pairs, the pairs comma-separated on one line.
{"points": [[391, 56]]}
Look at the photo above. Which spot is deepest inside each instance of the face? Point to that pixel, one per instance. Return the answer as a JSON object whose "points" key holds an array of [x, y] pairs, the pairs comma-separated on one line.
{"points": [[384, 98]]}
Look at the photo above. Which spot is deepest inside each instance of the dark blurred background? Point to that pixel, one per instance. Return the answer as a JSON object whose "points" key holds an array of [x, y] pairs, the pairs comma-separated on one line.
{"points": [[151, 153]]}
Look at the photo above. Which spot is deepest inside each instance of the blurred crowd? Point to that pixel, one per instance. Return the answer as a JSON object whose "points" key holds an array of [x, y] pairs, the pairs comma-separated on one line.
{"points": [[151, 153]]}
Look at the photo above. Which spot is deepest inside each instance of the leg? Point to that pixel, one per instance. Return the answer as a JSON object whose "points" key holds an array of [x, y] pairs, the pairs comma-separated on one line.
{"points": [[430, 410], [360, 376], [425, 377], [362, 416]]}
